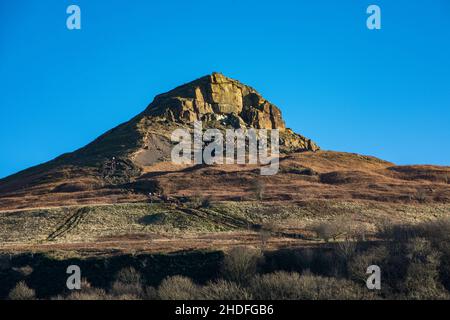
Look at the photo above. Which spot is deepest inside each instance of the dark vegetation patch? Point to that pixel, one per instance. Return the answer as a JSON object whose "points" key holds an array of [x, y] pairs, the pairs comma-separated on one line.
{"points": [[145, 186], [298, 170], [414, 259], [158, 218], [49, 274], [427, 173], [347, 177]]}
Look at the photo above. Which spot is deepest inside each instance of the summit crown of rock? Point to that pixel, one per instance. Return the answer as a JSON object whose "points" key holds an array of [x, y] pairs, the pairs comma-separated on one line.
{"points": [[216, 97]]}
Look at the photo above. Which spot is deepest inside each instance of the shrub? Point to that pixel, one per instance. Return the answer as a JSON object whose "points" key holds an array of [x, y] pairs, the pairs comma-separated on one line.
{"points": [[150, 293], [346, 249], [127, 284], [178, 288], [129, 276], [357, 266], [241, 263], [86, 294], [422, 276], [120, 289], [291, 286], [396, 232], [22, 292], [276, 286], [358, 231], [329, 230], [445, 265], [224, 290], [437, 230], [197, 201]]}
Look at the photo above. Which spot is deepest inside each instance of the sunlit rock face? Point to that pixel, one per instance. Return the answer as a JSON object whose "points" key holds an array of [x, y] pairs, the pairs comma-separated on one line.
{"points": [[217, 100], [214, 95]]}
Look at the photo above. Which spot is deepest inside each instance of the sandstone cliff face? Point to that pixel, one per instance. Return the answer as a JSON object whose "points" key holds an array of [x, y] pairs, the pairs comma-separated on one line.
{"points": [[217, 97], [220, 101]]}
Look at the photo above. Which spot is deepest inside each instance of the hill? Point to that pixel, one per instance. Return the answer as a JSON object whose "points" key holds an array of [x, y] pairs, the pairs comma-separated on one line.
{"points": [[100, 193]]}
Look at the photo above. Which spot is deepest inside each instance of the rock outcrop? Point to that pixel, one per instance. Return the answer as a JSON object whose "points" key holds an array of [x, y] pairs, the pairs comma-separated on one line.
{"points": [[217, 97], [219, 101]]}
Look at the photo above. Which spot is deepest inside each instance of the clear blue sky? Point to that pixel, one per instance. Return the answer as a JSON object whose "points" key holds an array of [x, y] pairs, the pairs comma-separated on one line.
{"points": [[384, 93]]}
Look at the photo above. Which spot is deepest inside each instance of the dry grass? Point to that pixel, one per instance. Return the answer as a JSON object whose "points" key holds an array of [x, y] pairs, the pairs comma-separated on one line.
{"points": [[332, 175], [178, 288], [241, 263], [160, 227], [22, 292], [293, 286]]}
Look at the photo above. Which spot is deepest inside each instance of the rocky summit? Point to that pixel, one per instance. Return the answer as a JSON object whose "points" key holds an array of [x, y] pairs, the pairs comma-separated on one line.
{"points": [[220, 101], [218, 97]]}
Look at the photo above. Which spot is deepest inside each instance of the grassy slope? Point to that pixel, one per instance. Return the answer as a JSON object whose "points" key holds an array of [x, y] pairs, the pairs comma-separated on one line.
{"points": [[130, 222]]}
